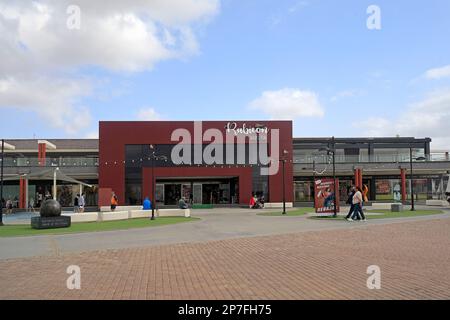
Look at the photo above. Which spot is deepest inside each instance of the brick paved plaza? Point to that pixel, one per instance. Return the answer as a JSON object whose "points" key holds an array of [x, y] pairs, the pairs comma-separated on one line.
{"points": [[414, 258]]}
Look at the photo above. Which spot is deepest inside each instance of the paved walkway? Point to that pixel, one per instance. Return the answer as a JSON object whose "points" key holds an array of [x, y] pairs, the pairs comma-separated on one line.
{"points": [[216, 224], [329, 264]]}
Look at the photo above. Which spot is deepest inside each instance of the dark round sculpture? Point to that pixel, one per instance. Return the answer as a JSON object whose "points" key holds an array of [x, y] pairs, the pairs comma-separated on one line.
{"points": [[50, 208]]}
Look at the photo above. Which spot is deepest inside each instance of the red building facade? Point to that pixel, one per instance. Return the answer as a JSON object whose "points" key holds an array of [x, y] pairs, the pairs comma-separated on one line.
{"points": [[131, 154]]}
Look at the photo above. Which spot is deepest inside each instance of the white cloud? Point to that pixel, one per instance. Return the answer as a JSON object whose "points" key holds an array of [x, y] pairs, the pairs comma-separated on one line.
{"points": [[147, 114], [429, 117], [38, 51], [346, 94], [298, 5], [288, 103], [54, 100], [438, 73]]}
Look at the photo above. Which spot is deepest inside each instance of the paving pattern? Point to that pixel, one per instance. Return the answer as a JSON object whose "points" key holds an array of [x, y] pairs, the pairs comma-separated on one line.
{"points": [[414, 258]]}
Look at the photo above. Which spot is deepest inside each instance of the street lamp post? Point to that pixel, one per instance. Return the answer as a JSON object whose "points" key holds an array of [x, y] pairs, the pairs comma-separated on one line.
{"points": [[334, 177], [154, 157], [284, 189], [283, 161], [411, 177], [1, 183], [332, 151], [153, 186]]}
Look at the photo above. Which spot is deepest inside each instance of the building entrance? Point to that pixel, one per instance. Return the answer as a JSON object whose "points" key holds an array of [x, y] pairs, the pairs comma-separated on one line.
{"points": [[205, 191]]}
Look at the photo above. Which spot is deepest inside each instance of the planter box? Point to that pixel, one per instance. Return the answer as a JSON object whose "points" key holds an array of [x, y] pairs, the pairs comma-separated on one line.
{"points": [[111, 216], [173, 213]]}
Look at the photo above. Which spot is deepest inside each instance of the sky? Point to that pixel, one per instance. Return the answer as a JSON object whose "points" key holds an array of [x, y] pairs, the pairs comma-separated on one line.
{"points": [[345, 68]]}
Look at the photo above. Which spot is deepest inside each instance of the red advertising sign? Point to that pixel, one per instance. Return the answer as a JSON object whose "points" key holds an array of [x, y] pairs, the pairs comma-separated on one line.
{"points": [[324, 195]]}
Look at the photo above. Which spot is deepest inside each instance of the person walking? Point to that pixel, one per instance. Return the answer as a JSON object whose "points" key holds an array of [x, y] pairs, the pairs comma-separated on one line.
{"points": [[114, 202], [351, 193], [81, 203], [357, 202], [75, 203]]}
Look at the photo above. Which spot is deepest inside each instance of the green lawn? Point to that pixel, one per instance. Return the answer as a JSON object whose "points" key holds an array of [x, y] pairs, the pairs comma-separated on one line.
{"points": [[382, 214], [26, 230], [296, 212]]}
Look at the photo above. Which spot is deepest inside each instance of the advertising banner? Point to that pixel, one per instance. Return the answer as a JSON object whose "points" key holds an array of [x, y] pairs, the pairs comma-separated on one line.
{"points": [[324, 198]]}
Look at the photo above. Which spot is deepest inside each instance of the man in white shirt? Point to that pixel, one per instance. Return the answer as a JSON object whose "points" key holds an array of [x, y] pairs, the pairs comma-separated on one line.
{"points": [[357, 203]]}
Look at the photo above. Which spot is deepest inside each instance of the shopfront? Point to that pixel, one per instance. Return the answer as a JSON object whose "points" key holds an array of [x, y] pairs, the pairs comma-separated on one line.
{"points": [[213, 162]]}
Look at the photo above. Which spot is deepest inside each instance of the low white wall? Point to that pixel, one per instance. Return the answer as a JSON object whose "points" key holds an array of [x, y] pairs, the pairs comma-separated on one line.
{"points": [[139, 214], [82, 217], [382, 206], [120, 208], [110, 216], [173, 213], [437, 203], [278, 205]]}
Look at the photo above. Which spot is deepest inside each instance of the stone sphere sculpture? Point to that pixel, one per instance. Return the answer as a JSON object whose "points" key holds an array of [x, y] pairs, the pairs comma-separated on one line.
{"points": [[50, 208]]}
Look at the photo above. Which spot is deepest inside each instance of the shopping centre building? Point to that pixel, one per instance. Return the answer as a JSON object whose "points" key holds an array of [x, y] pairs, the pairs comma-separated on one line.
{"points": [[219, 163]]}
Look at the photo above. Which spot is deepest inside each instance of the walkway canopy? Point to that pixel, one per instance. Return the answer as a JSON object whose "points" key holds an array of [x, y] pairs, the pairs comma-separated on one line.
{"points": [[54, 174], [47, 174]]}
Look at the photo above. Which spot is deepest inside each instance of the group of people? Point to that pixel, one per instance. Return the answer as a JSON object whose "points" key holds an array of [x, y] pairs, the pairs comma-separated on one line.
{"points": [[355, 200], [256, 202], [79, 203]]}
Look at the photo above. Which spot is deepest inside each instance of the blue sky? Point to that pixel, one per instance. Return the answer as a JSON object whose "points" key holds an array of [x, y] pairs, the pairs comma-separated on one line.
{"points": [[313, 61]]}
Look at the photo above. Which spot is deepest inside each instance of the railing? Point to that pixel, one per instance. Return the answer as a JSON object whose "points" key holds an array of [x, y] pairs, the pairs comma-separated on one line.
{"points": [[366, 159], [51, 162]]}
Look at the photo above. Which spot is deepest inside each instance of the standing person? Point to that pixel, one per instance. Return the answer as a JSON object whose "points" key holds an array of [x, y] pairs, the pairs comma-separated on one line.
{"points": [[350, 202], [81, 203], [114, 202], [9, 206], [75, 203], [31, 205], [357, 202]]}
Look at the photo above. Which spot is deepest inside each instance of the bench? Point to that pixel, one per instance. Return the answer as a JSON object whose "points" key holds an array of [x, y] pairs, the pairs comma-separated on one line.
{"points": [[173, 213], [112, 216]]}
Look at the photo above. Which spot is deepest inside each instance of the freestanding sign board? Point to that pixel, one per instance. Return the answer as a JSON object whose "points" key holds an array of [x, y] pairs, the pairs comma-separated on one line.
{"points": [[324, 195]]}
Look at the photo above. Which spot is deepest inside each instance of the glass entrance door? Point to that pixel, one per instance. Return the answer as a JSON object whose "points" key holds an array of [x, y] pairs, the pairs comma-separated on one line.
{"points": [[210, 193], [172, 193]]}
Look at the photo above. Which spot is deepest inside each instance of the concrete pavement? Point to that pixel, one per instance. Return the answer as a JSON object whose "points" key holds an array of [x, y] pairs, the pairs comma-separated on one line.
{"points": [[215, 224]]}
